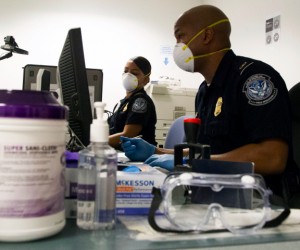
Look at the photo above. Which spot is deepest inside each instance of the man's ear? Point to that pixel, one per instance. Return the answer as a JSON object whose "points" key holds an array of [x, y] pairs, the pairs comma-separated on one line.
{"points": [[146, 79], [208, 35]]}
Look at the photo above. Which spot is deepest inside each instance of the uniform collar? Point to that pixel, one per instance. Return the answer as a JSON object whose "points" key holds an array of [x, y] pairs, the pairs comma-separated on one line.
{"points": [[222, 70], [139, 91], [136, 92]]}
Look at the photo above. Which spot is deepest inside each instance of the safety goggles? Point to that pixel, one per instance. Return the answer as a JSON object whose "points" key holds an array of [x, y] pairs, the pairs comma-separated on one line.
{"points": [[210, 202]]}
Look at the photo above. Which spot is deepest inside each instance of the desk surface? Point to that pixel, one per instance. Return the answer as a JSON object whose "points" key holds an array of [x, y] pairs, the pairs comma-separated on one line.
{"points": [[71, 237]]}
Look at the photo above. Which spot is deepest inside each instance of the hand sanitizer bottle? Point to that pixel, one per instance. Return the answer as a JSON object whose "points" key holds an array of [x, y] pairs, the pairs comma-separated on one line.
{"points": [[96, 187]]}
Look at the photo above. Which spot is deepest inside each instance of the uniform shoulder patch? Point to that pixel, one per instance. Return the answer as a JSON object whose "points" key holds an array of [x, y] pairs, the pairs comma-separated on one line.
{"points": [[259, 89], [139, 105]]}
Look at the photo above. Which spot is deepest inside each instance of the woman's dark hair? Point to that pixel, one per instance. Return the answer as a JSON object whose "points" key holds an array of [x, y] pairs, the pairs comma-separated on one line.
{"points": [[143, 64]]}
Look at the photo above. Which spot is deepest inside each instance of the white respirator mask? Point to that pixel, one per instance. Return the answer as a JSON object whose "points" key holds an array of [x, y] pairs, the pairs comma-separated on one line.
{"points": [[130, 82], [183, 56]]}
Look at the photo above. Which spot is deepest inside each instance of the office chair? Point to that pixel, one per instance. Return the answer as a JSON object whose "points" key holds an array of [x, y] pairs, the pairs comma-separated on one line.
{"points": [[294, 94], [176, 133]]}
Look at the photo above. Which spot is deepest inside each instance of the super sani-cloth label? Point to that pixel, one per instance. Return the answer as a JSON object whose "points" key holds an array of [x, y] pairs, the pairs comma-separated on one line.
{"points": [[31, 180]]}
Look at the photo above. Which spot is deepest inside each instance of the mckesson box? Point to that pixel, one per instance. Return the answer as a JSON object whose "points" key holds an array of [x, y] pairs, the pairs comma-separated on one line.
{"points": [[134, 190]]}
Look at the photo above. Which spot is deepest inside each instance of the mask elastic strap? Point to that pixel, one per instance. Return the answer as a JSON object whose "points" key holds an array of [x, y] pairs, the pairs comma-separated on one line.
{"points": [[157, 199], [208, 54], [204, 55], [201, 31]]}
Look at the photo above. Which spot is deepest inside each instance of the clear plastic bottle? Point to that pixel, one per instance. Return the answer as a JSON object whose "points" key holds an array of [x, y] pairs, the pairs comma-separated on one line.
{"points": [[96, 184]]}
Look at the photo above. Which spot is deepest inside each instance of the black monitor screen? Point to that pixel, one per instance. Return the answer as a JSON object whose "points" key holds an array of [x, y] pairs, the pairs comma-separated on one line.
{"points": [[72, 79]]}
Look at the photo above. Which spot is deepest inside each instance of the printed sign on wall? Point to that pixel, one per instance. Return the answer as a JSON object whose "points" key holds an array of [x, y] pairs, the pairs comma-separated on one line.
{"points": [[272, 29], [166, 53]]}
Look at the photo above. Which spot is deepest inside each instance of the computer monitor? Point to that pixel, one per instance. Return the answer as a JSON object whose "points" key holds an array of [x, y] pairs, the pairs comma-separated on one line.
{"points": [[73, 84], [31, 78], [43, 80]]}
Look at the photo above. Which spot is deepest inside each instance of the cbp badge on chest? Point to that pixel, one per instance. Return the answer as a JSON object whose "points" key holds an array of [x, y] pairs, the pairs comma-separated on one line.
{"points": [[218, 107], [125, 107]]}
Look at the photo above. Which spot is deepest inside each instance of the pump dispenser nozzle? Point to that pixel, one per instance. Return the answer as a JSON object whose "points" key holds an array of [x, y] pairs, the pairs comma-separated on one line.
{"points": [[99, 128]]}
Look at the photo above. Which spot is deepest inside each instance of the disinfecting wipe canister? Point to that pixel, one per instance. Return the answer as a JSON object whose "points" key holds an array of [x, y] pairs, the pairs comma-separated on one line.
{"points": [[32, 145]]}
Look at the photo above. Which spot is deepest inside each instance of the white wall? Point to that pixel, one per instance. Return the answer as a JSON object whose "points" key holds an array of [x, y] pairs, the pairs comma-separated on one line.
{"points": [[248, 33], [113, 31]]}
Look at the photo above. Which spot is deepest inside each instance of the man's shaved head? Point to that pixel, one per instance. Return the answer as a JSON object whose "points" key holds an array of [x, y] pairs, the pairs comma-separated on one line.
{"points": [[201, 16], [205, 30]]}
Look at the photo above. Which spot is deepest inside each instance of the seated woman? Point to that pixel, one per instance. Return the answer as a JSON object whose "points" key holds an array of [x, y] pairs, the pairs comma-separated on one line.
{"points": [[135, 114]]}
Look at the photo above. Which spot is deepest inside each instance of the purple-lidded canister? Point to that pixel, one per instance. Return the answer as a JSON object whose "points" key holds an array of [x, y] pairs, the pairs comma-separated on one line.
{"points": [[32, 144]]}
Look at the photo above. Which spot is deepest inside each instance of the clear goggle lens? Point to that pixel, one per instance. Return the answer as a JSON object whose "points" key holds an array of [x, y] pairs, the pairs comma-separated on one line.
{"points": [[202, 202]]}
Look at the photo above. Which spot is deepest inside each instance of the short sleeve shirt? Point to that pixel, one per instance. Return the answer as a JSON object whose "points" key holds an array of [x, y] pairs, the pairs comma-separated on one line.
{"points": [[137, 109], [247, 102]]}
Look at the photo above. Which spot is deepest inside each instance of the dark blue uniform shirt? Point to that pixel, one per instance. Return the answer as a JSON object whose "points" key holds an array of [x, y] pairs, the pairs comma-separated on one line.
{"points": [[137, 109], [246, 102]]}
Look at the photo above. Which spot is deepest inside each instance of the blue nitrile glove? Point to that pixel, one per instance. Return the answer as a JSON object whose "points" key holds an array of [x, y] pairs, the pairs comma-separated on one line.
{"points": [[132, 169], [137, 149], [165, 161]]}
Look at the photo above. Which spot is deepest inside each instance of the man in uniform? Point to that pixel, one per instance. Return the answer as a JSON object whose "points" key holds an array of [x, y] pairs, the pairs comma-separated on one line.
{"points": [[243, 103]]}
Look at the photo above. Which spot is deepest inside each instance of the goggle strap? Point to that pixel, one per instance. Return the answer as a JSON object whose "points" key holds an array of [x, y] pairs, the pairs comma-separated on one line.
{"points": [[157, 199], [278, 220], [277, 200]]}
